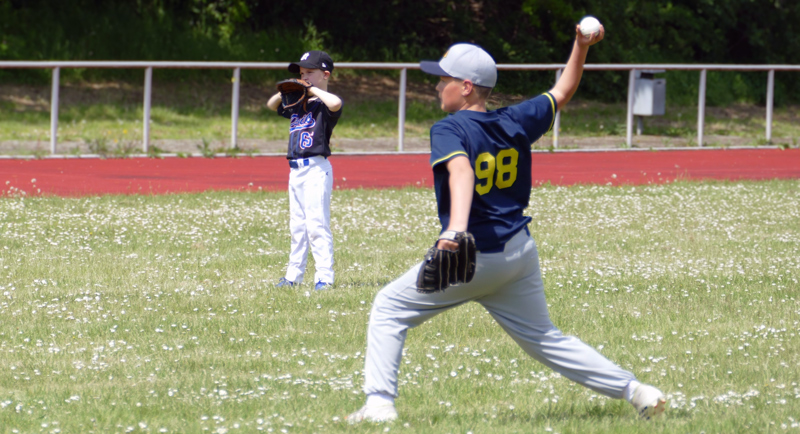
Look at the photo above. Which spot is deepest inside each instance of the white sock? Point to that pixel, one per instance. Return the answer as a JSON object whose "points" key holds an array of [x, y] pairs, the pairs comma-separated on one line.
{"points": [[627, 393], [379, 400]]}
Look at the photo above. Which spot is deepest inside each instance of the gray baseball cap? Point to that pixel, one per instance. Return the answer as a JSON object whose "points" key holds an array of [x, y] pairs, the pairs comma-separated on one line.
{"points": [[465, 62]]}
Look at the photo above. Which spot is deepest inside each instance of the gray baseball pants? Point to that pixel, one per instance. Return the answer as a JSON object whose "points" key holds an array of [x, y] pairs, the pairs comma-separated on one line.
{"points": [[509, 285]]}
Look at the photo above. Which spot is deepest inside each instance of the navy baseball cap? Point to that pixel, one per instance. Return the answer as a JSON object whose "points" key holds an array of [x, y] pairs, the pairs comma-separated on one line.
{"points": [[313, 60], [464, 62]]}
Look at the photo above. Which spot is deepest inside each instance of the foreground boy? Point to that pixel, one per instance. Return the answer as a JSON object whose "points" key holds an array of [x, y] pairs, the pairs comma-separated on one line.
{"points": [[482, 173]]}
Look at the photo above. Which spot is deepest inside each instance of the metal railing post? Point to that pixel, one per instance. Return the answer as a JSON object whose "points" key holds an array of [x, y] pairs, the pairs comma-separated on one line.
{"points": [[701, 107], [770, 101], [236, 67], [629, 115], [401, 110], [557, 120], [54, 109], [237, 73], [148, 90]]}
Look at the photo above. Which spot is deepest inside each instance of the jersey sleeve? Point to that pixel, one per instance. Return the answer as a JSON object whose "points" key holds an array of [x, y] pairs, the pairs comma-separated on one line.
{"points": [[446, 143], [336, 114], [536, 115]]}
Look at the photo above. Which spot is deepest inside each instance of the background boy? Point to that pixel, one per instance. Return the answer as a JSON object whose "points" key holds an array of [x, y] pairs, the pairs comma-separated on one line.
{"points": [[311, 176], [482, 174]]}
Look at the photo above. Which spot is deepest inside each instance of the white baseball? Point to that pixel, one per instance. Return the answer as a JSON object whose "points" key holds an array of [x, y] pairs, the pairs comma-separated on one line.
{"points": [[589, 25]]}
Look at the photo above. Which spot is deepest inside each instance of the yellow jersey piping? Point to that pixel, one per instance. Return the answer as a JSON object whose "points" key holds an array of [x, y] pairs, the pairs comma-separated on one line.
{"points": [[553, 105], [449, 156]]}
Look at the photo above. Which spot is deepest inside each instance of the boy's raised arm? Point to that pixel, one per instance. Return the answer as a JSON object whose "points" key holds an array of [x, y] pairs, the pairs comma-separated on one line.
{"points": [[333, 102], [274, 102], [571, 78]]}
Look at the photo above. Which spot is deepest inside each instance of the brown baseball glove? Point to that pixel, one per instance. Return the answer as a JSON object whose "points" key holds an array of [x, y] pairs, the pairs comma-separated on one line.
{"points": [[294, 92], [443, 268]]}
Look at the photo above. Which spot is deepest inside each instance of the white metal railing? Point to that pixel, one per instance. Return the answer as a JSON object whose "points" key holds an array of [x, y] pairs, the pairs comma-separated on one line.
{"points": [[56, 66]]}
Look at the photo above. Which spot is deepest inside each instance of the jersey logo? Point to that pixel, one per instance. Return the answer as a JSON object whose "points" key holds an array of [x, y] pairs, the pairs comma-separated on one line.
{"points": [[304, 122], [504, 164]]}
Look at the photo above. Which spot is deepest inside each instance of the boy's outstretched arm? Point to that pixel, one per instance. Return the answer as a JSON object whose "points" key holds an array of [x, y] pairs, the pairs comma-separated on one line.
{"points": [[571, 77]]}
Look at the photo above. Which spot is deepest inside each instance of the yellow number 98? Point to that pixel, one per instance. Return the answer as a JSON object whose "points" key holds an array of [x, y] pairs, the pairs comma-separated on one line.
{"points": [[506, 165]]}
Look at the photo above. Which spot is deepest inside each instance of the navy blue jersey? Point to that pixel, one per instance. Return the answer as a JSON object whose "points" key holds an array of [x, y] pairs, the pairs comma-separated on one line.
{"points": [[498, 145], [310, 129]]}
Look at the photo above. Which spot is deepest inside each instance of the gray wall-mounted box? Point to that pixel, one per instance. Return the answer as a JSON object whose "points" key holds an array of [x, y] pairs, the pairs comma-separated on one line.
{"points": [[649, 93]]}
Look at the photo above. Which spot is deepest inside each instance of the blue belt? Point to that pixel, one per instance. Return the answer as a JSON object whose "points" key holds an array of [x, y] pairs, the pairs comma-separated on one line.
{"points": [[502, 247], [296, 164]]}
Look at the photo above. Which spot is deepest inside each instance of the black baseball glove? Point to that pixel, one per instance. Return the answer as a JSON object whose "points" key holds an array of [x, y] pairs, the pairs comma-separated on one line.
{"points": [[443, 268], [294, 92]]}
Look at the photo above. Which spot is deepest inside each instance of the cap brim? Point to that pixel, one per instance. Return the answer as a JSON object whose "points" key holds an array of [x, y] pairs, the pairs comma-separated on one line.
{"points": [[432, 67], [295, 67]]}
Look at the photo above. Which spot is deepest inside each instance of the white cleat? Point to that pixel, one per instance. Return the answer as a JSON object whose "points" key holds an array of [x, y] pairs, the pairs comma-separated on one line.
{"points": [[383, 413], [649, 401]]}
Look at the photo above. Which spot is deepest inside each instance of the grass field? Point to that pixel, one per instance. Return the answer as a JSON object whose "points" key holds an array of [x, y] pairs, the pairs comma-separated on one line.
{"points": [[109, 115], [158, 314]]}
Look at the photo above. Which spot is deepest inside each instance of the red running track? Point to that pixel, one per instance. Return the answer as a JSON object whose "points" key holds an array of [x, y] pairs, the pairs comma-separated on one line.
{"points": [[78, 177]]}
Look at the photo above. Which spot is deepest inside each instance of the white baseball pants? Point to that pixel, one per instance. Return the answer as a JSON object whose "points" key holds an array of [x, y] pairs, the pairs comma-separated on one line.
{"points": [[310, 186], [509, 285]]}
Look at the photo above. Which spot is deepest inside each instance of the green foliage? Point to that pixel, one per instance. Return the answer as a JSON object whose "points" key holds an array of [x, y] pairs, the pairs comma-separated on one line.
{"points": [[105, 147], [154, 151], [514, 31], [93, 30], [205, 148], [99, 146]]}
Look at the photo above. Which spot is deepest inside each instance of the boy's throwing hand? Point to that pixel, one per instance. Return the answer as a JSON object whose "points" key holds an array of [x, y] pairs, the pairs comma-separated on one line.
{"points": [[587, 41]]}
